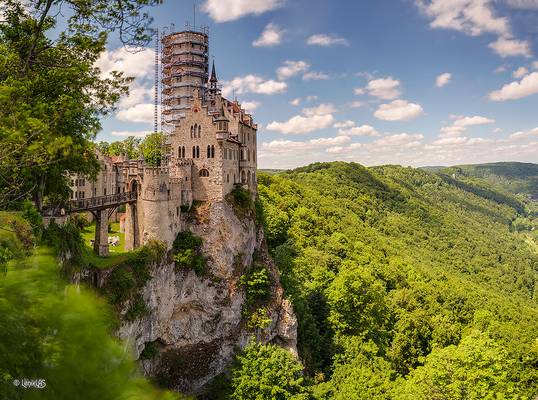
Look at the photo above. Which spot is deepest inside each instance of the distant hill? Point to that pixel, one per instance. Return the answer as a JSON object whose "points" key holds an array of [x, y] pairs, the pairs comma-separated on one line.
{"points": [[406, 281], [513, 177]]}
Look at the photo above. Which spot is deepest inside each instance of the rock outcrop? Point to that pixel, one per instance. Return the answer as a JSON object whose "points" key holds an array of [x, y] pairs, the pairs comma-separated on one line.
{"points": [[196, 324]]}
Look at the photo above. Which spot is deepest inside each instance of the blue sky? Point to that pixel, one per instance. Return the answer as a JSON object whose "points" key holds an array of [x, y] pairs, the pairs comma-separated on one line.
{"points": [[410, 82]]}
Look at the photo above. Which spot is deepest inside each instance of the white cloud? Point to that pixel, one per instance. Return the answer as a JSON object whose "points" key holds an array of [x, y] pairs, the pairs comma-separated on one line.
{"points": [[355, 104], [359, 91], [291, 68], [250, 106], [321, 39], [443, 79], [517, 90], [271, 36], [476, 17], [535, 65], [137, 94], [523, 134], [229, 10], [400, 139], [384, 88], [296, 101], [500, 69], [509, 47], [313, 119], [311, 98], [133, 64], [398, 110], [130, 133], [344, 124], [363, 130], [471, 121], [315, 76], [497, 130], [137, 113], [520, 72], [281, 146], [253, 84], [450, 140], [472, 17], [322, 109]]}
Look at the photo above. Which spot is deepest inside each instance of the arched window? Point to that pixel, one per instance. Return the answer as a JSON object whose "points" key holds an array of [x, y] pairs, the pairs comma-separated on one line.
{"points": [[183, 151], [212, 151], [197, 151], [243, 177], [208, 151], [193, 152], [179, 152], [227, 178], [192, 131], [204, 173], [199, 131]]}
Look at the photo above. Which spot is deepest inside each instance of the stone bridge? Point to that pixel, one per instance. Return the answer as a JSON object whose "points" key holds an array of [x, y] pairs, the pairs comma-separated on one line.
{"points": [[102, 208]]}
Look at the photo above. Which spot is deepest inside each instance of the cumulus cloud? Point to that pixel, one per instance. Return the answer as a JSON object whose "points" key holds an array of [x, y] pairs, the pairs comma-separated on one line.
{"points": [[296, 101], [229, 10], [384, 88], [471, 121], [253, 84], [443, 79], [137, 113], [315, 76], [359, 91], [138, 93], [472, 17], [344, 124], [322, 109], [321, 39], [133, 64], [363, 130], [312, 119], [520, 72], [476, 17], [400, 139], [510, 47], [517, 89], [250, 106], [398, 110], [291, 68], [271, 36], [355, 104], [281, 146], [523, 134]]}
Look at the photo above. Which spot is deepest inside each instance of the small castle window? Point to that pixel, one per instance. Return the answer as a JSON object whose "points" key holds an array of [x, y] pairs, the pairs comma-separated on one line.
{"points": [[199, 131], [193, 151], [192, 131], [212, 151], [197, 151], [228, 178], [208, 151], [204, 173]]}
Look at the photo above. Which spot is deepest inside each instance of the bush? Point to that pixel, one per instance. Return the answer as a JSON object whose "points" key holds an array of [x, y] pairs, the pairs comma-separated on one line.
{"points": [[187, 253], [137, 309], [120, 285], [257, 284], [80, 221], [151, 350], [66, 240]]}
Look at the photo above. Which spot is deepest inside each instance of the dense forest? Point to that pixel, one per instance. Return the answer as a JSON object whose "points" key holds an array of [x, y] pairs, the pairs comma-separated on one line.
{"points": [[406, 284]]}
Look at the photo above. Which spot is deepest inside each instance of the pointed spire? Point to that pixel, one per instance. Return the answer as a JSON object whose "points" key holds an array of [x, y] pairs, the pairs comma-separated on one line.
{"points": [[213, 73]]}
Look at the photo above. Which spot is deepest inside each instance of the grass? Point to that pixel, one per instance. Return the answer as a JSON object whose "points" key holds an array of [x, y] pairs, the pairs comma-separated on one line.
{"points": [[88, 234], [117, 256]]}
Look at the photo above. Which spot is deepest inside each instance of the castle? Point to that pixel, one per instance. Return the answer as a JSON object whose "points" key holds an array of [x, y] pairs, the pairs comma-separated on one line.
{"points": [[210, 147]]}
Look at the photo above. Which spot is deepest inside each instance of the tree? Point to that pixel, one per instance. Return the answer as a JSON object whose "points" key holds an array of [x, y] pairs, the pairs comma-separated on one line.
{"points": [[267, 372], [51, 95], [152, 148], [478, 368]]}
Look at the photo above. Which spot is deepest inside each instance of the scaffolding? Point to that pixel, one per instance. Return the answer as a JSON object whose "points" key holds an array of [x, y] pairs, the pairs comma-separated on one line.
{"points": [[184, 70]]}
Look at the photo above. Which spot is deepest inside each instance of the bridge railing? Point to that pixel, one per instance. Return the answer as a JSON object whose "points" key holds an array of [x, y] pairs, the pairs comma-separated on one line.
{"points": [[101, 201]]}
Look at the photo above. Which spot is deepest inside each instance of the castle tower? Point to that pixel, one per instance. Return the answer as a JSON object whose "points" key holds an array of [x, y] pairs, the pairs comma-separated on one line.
{"points": [[184, 71]]}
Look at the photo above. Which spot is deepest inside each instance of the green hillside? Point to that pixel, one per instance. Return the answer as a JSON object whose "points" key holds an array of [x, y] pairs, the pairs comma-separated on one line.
{"points": [[513, 177], [407, 284]]}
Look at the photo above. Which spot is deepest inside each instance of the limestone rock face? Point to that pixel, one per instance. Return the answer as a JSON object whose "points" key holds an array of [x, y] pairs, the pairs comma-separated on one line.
{"points": [[196, 323]]}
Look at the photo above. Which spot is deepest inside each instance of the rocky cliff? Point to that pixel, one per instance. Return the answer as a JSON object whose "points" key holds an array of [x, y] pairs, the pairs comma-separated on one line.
{"points": [[195, 324]]}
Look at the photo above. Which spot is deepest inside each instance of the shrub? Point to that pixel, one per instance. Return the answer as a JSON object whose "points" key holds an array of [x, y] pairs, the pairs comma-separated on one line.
{"points": [[241, 198], [187, 252], [80, 221], [151, 350], [66, 240], [120, 285], [257, 284], [137, 308]]}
